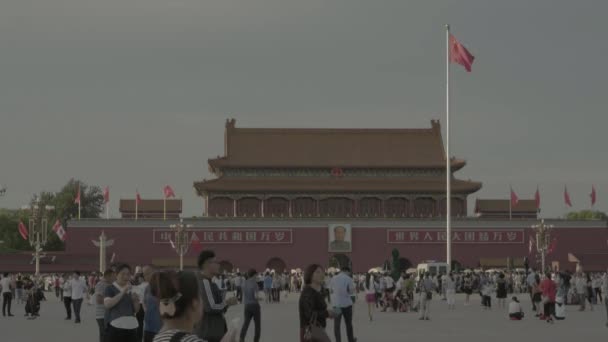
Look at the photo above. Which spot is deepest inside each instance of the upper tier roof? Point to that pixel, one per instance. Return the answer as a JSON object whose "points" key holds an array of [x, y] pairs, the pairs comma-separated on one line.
{"points": [[345, 148]]}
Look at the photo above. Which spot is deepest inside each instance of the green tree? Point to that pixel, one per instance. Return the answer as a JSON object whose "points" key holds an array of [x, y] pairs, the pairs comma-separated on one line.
{"points": [[91, 201], [9, 232], [586, 215], [65, 209]]}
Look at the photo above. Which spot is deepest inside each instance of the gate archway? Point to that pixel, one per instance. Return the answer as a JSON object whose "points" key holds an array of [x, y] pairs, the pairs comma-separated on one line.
{"points": [[339, 261], [276, 264], [226, 266]]}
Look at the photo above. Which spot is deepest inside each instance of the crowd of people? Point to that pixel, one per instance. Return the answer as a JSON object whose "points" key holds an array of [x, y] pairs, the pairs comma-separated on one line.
{"points": [[145, 304]]}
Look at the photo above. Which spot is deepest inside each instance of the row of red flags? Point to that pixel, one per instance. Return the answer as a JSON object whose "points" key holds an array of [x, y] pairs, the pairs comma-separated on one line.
{"points": [[167, 192], [57, 228], [567, 200]]}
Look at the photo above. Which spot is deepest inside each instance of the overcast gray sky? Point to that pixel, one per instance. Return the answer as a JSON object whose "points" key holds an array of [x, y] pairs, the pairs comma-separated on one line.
{"points": [[135, 93]]}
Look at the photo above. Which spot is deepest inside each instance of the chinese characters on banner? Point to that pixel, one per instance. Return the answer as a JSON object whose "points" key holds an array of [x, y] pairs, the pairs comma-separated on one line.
{"points": [[472, 236], [233, 236]]}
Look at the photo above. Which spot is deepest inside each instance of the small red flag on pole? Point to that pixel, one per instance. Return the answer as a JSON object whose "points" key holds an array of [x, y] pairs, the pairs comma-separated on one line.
{"points": [[567, 200], [514, 198], [196, 244], [106, 201], [537, 199], [60, 231], [23, 230], [593, 195], [137, 202], [512, 203], [168, 192], [77, 200], [459, 54]]}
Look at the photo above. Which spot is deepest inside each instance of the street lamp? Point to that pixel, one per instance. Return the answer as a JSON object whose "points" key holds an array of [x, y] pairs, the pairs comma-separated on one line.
{"points": [[102, 243], [38, 229], [2, 190], [182, 243], [543, 240]]}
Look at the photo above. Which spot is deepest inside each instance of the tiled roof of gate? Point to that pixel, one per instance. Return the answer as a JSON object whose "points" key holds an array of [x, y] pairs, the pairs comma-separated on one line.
{"points": [[344, 148], [334, 184]]}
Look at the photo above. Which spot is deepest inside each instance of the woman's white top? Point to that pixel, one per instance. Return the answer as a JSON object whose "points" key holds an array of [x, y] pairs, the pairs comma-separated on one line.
{"points": [[514, 307], [372, 288]]}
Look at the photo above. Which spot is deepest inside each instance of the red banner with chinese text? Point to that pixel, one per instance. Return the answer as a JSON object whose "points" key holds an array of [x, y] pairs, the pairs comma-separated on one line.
{"points": [[464, 236], [229, 236]]}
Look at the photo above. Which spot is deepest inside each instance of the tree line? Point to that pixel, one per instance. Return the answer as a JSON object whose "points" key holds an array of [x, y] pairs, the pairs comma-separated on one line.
{"points": [[65, 209]]}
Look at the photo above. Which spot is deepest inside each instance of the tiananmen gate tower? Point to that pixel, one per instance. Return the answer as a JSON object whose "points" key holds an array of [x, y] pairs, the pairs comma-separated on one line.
{"points": [[283, 198]]}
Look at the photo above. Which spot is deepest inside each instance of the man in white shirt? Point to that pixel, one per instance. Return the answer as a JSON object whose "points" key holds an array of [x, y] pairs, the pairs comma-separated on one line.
{"points": [[342, 290], [79, 289], [238, 284], [7, 294]]}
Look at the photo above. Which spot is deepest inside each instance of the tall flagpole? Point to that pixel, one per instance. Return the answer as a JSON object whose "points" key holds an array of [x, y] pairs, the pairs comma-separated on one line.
{"points": [[448, 173], [510, 203], [108, 210], [136, 203], [165, 208]]}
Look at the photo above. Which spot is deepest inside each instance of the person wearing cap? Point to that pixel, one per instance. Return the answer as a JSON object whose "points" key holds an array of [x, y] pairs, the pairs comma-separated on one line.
{"points": [[515, 311]]}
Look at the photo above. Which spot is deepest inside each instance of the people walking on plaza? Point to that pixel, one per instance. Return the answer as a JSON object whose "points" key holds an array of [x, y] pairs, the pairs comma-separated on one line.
{"points": [[212, 327], [531, 282], [549, 292], [487, 291], [467, 288], [370, 294], [605, 290], [312, 307], [426, 286], [67, 296], [57, 286], [589, 288], [121, 305], [536, 295], [100, 309], [238, 285], [19, 290], [252, 307], [152, 320], [582, 291], [7, 295], [501, 291], [450, 291], [342, 290], [276, 288], [268, 287], [597, 288], [516, 313], [180, 306], [79, 290]]}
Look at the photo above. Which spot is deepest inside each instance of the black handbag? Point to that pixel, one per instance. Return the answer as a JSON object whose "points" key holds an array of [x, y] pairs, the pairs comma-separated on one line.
{"points": [[213, 327], [313, 332]]}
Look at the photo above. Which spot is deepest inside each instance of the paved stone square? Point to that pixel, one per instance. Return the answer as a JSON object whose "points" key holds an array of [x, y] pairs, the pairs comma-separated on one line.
{"points": [[280, 323]]}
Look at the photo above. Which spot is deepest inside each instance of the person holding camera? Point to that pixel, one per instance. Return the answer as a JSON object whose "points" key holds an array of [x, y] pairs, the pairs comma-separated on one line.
{"points": [[121, 305]]}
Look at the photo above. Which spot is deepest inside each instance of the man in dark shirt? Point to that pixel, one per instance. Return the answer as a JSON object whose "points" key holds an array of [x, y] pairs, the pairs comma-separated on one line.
{"points": [[213, 324]]}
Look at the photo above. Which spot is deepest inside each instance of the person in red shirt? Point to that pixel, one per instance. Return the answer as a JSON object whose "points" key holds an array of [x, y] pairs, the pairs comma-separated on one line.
{"points": [[549, 290]]}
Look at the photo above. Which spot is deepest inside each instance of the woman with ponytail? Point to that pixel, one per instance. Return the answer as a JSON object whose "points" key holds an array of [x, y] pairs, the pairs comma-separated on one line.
{"points": [[179, 305]]}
